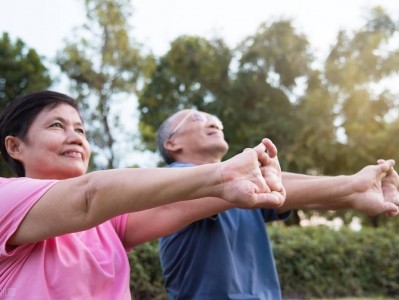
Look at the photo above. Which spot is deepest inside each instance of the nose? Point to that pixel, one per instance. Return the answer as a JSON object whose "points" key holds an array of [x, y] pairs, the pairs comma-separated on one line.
{"points": [[215, 123], [74, 137]]}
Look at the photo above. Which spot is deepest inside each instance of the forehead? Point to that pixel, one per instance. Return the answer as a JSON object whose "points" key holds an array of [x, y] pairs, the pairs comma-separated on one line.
{"points": [[177, 117], [61, 110]]}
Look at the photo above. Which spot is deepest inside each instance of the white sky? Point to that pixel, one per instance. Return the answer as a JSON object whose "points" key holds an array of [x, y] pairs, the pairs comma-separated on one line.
{"points": [[44, 24]]}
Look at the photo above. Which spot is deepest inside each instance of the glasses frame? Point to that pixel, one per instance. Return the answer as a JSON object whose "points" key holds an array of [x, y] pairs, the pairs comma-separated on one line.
{"points": [[191, 114]]}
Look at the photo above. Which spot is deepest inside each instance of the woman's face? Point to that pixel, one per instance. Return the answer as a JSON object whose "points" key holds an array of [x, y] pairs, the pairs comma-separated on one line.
{"points": [[56, 146]]}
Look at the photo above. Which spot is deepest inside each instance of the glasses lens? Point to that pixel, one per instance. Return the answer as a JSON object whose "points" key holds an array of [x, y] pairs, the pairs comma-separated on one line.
{"points": [[198, 117]]}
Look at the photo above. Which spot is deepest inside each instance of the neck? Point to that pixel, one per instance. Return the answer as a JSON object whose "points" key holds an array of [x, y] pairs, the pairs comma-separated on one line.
{"points": [[198, 160]]}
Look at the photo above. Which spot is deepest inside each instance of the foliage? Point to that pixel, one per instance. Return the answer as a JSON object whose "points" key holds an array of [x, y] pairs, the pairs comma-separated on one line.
{"points": [[146, 281], [366, 116], [198, 73], [192, 74], [270, 62], [312, 262], [355, 63], [319, 262], [104, 65], [325, 120], [22, 71]]}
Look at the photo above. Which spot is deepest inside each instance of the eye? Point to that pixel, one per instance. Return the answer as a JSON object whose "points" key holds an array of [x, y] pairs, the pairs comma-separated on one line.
{"points": [[198, 117], [57, 124], [81, 131]]}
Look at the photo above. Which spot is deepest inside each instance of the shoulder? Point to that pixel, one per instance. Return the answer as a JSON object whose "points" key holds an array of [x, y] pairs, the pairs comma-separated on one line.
{"points": [[14, 189], [21, 184]]}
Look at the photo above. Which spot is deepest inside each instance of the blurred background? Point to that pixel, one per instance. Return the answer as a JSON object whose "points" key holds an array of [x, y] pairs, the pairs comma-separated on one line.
{"points": [[318, 78]]}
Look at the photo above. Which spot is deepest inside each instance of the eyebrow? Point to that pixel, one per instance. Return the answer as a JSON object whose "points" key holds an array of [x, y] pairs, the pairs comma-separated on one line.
{"points": [[63, 120]]}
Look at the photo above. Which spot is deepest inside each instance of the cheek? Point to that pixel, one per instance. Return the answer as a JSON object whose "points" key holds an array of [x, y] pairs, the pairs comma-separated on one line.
{"points": [[52, 146], [87, 150]]}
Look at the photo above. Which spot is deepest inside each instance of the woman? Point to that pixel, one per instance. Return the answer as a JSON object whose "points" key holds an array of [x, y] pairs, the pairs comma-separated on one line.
{"points": [[64, 233]]}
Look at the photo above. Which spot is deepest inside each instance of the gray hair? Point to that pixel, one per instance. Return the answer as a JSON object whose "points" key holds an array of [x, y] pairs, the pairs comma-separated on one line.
{"points": [[163, 134]]}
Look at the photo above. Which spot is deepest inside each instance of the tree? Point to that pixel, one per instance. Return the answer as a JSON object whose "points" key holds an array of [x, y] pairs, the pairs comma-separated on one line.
{"points": [[104, 65], [270, 63], [193, 74], [22, 71], [357, 62], [336, 124], [200, 73]]}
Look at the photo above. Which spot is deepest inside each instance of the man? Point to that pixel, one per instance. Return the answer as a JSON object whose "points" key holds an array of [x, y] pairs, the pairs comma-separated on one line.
{"points": [[228, 255]]}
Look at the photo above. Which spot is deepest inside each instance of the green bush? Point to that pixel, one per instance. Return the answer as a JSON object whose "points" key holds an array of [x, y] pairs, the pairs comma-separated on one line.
{"points": [[312, 262], [146, 276], [320, 262]]}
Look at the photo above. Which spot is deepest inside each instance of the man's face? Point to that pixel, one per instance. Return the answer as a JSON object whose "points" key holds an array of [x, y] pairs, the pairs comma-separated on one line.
{"points": [[198, 133]]}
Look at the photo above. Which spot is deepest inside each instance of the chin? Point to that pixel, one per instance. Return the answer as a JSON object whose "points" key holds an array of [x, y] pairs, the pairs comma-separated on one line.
{"points": [[222, 148], [71, 174]]}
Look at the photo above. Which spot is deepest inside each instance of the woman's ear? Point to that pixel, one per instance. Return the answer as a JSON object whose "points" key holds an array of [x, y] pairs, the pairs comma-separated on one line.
{"points": [[13, 146]]}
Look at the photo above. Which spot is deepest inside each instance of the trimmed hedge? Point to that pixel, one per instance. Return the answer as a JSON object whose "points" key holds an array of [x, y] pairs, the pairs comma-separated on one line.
{"points": [[320, 262], [312, 262], [146, 281]]}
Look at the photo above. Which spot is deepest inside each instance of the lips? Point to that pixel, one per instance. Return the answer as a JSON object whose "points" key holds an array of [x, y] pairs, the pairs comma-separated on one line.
{"points": [[217, 132], [73, 154]]}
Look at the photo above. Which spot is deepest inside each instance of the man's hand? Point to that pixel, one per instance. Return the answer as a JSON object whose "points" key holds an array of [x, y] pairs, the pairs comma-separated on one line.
{"points": [[270, 167], [390, 189], [376, 189], [253, 178]]}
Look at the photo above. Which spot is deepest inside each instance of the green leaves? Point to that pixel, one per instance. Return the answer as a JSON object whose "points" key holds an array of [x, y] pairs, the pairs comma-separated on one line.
{"points": [[324, 120], [192, 74], [104, 65], [22, 71]]}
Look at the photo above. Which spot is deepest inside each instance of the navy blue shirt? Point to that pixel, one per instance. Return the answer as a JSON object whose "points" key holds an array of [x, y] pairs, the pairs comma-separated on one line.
{"points": [[226, 256]]}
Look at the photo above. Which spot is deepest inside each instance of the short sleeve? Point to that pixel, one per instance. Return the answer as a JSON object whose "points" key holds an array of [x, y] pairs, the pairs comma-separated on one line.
{"points": [[17, 197], [270, 215], [120, 223]]}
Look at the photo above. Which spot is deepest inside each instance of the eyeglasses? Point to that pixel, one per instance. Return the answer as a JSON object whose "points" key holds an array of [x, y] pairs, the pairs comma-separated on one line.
{"points": [[197, 116]]}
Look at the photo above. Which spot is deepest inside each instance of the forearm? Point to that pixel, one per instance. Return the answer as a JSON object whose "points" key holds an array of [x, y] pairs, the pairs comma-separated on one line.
{"points": [[139, 189], [83, 202], [316, 192], [170, 218]]}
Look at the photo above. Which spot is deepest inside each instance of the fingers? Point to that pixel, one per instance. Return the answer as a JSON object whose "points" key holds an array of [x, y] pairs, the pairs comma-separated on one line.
{"points": [[265, 151], [272, 177], [390, 209], [266, 146], [391, 214], [270, 147], [270, 200], [386, 165]]}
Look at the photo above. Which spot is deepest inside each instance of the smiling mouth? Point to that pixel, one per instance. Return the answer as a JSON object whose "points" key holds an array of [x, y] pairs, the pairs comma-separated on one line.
{"points": [[214, 132], [73, 155]]}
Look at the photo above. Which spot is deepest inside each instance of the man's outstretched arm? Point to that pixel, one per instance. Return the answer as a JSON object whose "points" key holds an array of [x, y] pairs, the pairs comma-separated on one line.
{"points": [[167, 219], [372, 191]]}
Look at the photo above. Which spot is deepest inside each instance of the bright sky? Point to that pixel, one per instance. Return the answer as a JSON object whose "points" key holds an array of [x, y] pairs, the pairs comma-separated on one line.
{"points": [[44, 24]]}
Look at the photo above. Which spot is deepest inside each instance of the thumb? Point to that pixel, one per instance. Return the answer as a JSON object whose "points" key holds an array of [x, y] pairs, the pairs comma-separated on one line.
{"points": [[268, 200], [390, 209]]}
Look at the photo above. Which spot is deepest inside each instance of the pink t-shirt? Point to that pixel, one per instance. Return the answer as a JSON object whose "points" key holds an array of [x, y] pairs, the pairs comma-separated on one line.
{"points": [[91, 264]]}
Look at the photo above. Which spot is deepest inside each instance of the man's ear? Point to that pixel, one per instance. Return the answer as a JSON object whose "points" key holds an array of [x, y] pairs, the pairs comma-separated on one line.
{"points": [[13, 146], [171, 145]]}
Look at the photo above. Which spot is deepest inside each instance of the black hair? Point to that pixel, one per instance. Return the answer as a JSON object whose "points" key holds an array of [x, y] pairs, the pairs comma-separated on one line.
{"points": [[18, 116]]}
